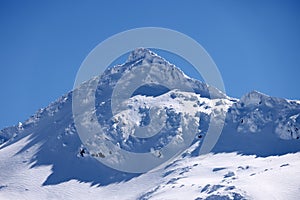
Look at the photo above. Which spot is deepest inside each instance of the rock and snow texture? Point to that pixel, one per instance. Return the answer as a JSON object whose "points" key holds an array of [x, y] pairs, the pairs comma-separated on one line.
{"points": [[256, 157]]}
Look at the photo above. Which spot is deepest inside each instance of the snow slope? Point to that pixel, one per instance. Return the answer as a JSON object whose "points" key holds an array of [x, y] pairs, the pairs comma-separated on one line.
{"points": [[256, 157], [213, 176]]}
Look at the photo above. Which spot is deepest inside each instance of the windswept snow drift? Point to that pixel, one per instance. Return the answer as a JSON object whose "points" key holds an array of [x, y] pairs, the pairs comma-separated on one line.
{"points": [[39, 158]]}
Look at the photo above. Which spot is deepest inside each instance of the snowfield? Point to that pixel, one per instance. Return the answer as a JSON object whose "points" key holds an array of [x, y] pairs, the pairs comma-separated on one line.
{"points": [[257, 155], [212, 176]]}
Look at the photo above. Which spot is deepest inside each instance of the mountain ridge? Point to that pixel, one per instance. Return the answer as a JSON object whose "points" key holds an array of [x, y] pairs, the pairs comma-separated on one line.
{"points": [[139, 54]]}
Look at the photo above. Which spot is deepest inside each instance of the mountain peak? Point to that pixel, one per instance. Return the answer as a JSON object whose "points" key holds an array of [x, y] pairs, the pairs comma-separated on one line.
{"points": [[140, 53], [147, 56]]}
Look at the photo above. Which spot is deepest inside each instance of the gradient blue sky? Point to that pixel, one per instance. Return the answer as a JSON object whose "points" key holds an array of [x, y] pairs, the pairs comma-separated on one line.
{"points": [[255, 44]]}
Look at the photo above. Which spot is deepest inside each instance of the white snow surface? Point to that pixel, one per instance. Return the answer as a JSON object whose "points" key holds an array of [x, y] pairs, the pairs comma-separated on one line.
{"points": [[208, 176]]}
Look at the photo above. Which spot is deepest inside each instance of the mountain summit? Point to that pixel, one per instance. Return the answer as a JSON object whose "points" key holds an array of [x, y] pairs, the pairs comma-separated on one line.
{"points": [[49, 157]]}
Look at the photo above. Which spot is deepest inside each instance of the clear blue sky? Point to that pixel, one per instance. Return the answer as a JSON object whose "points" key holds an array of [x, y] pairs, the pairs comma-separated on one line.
{"points": [[255, 44]]}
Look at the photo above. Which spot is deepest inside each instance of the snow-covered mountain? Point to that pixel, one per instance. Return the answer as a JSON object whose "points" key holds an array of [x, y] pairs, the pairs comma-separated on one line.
{"points": [[256, 157]]}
